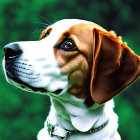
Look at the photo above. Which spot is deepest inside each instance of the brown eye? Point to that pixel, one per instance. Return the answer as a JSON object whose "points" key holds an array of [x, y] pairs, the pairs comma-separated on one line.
{"points": [[68, 45]]}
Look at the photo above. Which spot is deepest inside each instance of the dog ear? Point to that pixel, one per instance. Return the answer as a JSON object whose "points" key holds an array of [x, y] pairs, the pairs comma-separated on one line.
{"points": [[114, 66]]}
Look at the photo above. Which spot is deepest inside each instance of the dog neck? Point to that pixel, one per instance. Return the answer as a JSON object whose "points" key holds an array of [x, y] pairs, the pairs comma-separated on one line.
{"points": [[69, 113]]}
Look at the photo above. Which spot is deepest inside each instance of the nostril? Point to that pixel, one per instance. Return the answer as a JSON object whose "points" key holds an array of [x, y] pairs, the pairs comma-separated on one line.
{"points": [[11, 51]]}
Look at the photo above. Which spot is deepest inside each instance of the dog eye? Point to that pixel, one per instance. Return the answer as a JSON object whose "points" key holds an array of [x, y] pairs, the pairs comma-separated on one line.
{"points": [[68, 45]]}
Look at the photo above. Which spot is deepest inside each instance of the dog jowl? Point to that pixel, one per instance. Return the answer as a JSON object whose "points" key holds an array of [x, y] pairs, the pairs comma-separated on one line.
{"points": [[81, 66]]}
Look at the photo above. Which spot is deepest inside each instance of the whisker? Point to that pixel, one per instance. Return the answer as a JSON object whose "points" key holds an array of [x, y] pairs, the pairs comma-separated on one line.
{"points": [[46, 19], [43, 24], [38, 31]]}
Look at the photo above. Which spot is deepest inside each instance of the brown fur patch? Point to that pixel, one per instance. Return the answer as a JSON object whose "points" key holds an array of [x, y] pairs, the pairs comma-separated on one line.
{"points": [[45, 33], [77, 64], [96, 70]]}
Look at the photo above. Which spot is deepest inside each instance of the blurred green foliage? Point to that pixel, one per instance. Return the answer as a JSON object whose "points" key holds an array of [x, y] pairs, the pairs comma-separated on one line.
{"points": [[22, 114]]}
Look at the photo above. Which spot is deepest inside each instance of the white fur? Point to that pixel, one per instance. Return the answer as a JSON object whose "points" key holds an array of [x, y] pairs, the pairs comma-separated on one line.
{"points": [[83, 120], [41, 70]]}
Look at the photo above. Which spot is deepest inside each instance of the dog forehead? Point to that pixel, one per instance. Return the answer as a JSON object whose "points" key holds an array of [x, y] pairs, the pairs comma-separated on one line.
{"points": [[61, 26], [74, 26], [66, 24]]}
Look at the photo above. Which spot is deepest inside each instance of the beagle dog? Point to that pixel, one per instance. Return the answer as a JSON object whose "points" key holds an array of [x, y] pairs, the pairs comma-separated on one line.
{"points": [[81, 66]]}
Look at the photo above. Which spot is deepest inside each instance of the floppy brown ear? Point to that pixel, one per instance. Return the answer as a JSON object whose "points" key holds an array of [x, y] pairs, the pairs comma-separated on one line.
{"points": [[114, 66]]}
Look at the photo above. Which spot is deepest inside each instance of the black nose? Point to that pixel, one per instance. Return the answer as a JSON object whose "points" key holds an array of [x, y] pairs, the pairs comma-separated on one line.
{"points": [[11, 51]]}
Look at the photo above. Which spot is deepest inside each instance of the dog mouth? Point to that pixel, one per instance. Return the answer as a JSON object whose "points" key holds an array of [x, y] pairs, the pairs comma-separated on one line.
{"points": [[23, 84], [20, 74], [12, 76]]}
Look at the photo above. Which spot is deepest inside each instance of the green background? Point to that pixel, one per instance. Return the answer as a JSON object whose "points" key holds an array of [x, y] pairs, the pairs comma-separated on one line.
{"points": [[22, 114]]}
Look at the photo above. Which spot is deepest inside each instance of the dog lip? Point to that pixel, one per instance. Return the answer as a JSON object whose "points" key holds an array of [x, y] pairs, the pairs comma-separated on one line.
{"points": [[23, 84], [58, 91]]}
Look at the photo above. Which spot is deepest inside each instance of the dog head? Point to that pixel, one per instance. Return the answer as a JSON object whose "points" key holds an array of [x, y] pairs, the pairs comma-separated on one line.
{"points": [[75, 57]]}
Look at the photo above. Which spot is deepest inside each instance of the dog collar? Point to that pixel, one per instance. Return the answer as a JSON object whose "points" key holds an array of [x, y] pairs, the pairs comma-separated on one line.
{"points": [[62, 134]]}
